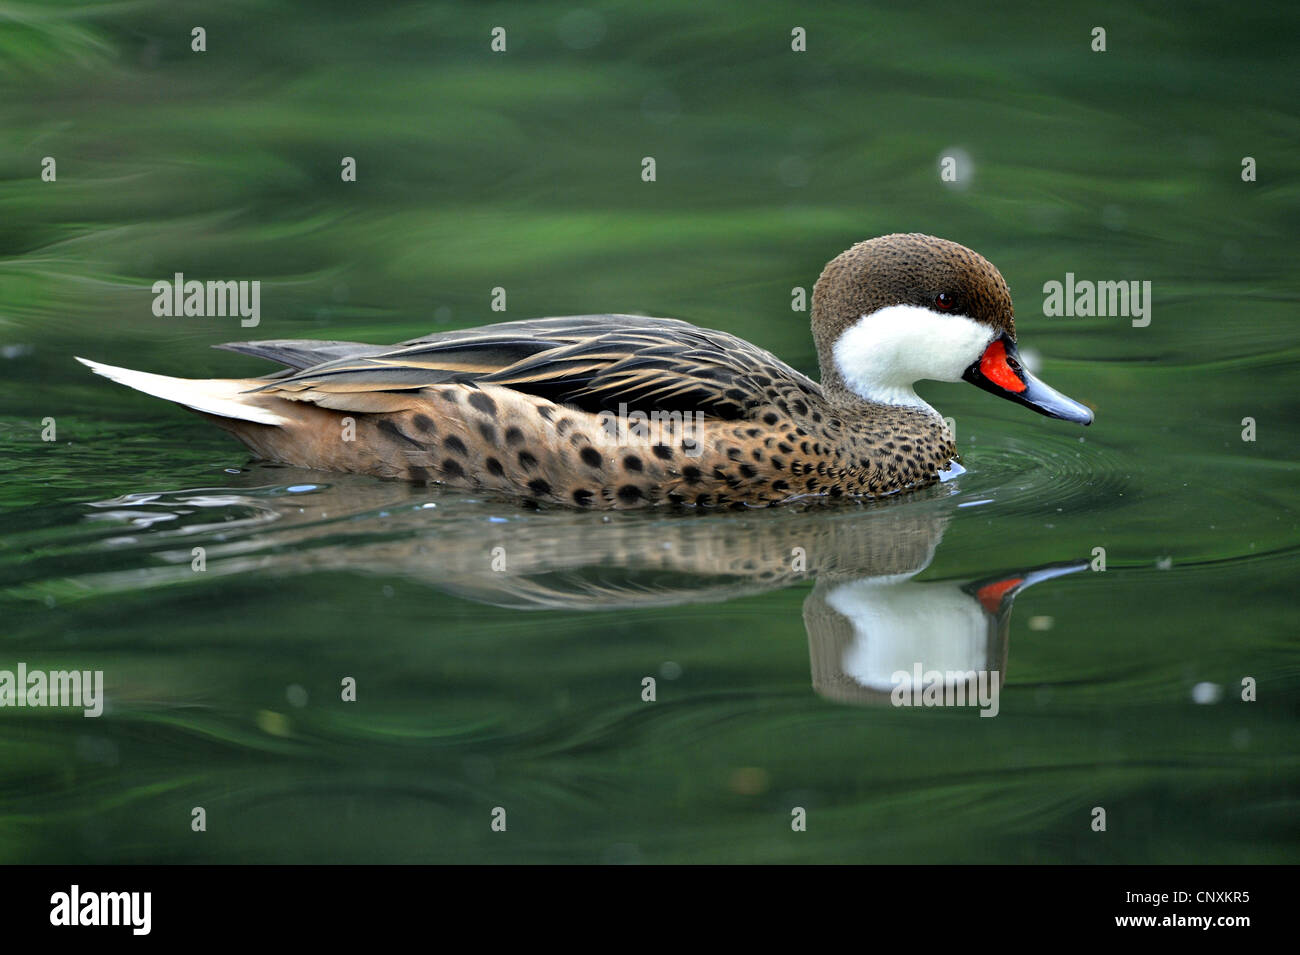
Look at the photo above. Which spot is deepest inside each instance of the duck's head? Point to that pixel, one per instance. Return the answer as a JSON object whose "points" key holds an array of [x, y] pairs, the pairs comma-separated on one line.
{"points": [[901, 308]]}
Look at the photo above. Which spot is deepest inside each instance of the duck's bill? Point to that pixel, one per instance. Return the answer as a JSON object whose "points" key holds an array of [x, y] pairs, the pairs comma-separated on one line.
{"points": [[1001, 372], [996, 593]]}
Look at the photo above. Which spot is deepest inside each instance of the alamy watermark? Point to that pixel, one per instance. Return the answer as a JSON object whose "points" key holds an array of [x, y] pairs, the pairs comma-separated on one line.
{"points": [[178, 298], [1085, 299], [639, 429], [76, 908], [923, 687], [53, 688]]}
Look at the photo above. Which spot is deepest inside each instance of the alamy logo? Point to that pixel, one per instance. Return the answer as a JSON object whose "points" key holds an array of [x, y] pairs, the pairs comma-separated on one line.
{"points": [[194, 299], [946, 688], [72, 688], [1084, 299], [637, 429], [75, 907]]}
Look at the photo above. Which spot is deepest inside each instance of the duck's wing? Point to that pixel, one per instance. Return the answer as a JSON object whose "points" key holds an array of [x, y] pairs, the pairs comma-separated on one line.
{"points": [[592, 362], [298, 354]]}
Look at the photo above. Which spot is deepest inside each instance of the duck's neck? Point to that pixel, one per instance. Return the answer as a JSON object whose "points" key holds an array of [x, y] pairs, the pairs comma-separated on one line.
{"points": [[891, 445], [841, 395]]}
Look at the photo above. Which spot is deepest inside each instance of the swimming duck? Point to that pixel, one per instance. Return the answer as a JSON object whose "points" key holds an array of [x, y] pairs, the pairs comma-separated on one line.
{"points": [[612, 411]]}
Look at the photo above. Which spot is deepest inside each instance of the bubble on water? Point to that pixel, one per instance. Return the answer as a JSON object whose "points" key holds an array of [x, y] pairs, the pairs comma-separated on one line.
{"points": [[1042, 623], [1206, 693], [1164, 563], [296, 695], [670, 670], [1032, 359]]}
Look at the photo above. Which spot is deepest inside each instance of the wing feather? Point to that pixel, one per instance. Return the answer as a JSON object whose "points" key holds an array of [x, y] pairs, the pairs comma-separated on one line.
{"points": [[594, 362]]}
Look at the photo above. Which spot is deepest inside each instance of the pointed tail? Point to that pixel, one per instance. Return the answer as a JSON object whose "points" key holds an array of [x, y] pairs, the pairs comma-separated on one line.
{"points": [[224, 397]]}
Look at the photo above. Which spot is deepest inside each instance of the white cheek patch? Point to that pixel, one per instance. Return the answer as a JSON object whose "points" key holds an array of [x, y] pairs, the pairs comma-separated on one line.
{"points": [[883, 354]]}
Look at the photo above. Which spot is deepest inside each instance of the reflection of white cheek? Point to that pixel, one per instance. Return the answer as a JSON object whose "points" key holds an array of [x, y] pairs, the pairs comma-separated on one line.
{"points": [[898, 625]]}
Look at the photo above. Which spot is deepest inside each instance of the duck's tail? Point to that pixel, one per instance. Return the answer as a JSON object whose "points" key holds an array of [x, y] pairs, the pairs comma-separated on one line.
{"points": [[223, 397]]}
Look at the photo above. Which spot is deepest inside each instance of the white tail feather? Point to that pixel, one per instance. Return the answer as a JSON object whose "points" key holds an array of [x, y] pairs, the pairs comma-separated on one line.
{"points": [[218, 396]]}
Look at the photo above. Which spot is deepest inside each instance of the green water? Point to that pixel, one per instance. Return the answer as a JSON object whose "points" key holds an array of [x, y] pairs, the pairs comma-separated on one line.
{"points": [[521, 687]]}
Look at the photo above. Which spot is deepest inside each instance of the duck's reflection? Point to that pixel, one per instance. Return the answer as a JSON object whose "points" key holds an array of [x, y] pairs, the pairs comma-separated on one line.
{"points": [[876, 634]]}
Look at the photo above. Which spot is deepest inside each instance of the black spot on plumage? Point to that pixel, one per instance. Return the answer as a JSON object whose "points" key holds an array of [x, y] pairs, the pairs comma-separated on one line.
{"points": [[423, 422], [691, 474], [662, 452], [629, 494], [785, 448], [488, 431], [780, 486], [771, 418], [547, 413], [582, 497], [539, 487], [454, 444], [591, 457], [494, 467], [748, 470], [451, 467], [482, 403], [391, 429], [527, 461], [514, 436], [633, 463]]}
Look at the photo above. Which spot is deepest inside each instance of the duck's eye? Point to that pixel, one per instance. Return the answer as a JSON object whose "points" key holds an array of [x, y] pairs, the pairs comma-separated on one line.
{"points": [[945, 302]]}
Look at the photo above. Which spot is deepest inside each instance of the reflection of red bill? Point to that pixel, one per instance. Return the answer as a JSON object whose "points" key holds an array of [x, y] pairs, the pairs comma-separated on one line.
{"points": [[990, 595], [994, 367]]}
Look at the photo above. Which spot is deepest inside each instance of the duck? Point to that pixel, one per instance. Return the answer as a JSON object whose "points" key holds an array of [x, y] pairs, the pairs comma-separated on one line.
{"points": [[618, 411]]}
